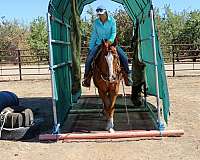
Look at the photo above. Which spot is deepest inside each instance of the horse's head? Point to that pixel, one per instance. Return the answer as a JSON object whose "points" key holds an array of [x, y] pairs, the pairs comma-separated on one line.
{"points": [[109, 53]]}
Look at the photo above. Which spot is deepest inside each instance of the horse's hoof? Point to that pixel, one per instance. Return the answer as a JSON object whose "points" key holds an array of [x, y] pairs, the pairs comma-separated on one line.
{"points": [[111, 130]]}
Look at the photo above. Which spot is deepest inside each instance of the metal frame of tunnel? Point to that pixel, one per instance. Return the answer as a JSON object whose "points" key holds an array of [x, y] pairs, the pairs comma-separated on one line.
{"points": [[66, 62]]}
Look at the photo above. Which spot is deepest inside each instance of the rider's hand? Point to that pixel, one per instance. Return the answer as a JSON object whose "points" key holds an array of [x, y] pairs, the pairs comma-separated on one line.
{"points": [[113, 48], [108, 43]]}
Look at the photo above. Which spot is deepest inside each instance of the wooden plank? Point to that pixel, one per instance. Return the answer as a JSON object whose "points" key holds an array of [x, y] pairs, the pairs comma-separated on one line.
{"points": [[116, 135]]}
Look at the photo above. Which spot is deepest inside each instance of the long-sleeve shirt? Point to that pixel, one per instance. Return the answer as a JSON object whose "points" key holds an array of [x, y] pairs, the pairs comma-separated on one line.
{"points": [[106, 31]]}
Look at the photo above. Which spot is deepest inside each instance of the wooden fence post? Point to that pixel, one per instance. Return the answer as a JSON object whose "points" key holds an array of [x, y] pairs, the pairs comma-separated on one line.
{"points": [[19, 62], [173, 60]]}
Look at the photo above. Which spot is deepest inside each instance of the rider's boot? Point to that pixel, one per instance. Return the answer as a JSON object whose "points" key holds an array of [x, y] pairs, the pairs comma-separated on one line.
{"points": [[87, 80], [128, 79]]}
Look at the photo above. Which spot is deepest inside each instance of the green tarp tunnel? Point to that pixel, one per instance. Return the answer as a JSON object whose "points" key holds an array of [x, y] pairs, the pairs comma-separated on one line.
{"points": [[65, 43]]}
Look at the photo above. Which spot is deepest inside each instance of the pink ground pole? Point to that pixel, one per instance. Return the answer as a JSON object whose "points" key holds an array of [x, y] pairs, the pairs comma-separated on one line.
{"points": [[106, 135]]}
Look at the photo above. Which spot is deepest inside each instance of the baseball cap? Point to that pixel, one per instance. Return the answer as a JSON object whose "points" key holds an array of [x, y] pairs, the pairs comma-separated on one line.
{"points": [[101, 10]]}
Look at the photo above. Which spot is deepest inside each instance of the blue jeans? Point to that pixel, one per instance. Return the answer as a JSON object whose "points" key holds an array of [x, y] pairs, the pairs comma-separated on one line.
{"points": [[93, 52], [90, 57], [123, 59]]}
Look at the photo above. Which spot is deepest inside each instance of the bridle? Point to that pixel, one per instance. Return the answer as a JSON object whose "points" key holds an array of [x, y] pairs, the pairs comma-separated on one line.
{"points": [[117, 70]]}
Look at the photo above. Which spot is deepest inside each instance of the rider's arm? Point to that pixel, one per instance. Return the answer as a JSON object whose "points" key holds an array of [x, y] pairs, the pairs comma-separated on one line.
{"points": [[93, 37], [113, 31]]}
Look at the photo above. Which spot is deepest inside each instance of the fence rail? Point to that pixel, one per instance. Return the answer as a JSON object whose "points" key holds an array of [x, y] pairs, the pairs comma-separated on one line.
{"points": [[21, 63], [34, 63]]}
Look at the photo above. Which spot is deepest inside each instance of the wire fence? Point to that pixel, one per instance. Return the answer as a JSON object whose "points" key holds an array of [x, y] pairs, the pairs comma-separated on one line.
{"points": [[180, 59]]}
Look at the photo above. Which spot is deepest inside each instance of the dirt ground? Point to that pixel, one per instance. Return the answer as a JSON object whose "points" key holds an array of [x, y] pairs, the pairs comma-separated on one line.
{"points": [[185, 114]]}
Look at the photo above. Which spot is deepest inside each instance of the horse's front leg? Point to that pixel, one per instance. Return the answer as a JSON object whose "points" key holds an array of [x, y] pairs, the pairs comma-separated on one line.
{"points": [[109, 108], [110, 125], [110, 111]]}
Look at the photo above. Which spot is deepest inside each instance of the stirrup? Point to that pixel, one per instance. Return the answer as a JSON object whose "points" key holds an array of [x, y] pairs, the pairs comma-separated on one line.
{"points": [[86, 83], [128, 80], [128, 83]]}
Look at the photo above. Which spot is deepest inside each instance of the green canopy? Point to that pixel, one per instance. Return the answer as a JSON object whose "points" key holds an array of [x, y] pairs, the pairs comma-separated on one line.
{"points": [[65, 43]]}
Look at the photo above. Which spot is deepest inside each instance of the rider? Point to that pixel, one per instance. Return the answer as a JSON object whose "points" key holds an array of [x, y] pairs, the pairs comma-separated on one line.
{"points": [[104, 28]]}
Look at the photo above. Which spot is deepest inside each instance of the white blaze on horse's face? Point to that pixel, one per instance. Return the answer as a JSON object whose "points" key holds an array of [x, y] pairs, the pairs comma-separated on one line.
{"points": [[109, 59]]}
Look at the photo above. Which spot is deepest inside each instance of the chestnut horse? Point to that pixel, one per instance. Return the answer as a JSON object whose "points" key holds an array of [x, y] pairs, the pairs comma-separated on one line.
{"points": [[106, 76]]}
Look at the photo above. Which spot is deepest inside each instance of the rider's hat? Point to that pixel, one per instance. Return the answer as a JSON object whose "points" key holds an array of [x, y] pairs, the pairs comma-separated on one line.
{"points": [[100, 10]]}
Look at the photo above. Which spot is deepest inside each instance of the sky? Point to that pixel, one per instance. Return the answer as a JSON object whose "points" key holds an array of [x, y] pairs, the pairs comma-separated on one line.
{"points": [[27, 10]]}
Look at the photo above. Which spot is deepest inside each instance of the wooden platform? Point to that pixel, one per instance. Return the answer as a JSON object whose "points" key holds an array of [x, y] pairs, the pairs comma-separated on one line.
{"points": [[86, 116]]}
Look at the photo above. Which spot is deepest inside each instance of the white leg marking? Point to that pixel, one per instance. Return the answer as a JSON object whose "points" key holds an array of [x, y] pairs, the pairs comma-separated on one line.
{"points": [[110, 125]]}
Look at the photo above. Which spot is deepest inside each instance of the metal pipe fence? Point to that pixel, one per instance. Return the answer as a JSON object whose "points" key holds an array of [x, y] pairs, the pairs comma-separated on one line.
{"points": [[19, 64], [23, 64], [182, 57]]}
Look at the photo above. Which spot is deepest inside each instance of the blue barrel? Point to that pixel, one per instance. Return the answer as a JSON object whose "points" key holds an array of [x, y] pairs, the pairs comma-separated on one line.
{"points": [[8, 99]]}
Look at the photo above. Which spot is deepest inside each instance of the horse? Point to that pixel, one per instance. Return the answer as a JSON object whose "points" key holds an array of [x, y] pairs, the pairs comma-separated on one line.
{"points": [[107, 75]]}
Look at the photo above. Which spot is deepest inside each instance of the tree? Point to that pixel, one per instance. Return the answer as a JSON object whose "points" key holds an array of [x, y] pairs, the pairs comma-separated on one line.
{"points": [[86, 29], [124, 26], [12, 34], [170, 25], [190, 33], [91, 14], [86, 25], [38, 38]]}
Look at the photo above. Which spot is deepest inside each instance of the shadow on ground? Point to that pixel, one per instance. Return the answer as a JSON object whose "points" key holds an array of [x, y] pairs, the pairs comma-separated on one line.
{"points": [[86, 115], [42, 109]]}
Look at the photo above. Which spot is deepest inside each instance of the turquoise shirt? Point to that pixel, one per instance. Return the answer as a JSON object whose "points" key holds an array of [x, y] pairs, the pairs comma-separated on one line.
{"points": [[101, 31]]}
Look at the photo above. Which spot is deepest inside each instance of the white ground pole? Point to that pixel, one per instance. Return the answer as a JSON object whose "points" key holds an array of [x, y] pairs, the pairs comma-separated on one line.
{"points": [[160, 125], [52, 74]]}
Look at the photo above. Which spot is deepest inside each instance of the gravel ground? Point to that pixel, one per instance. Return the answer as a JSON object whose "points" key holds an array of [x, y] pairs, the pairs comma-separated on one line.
{"points": [[185, 114]]}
